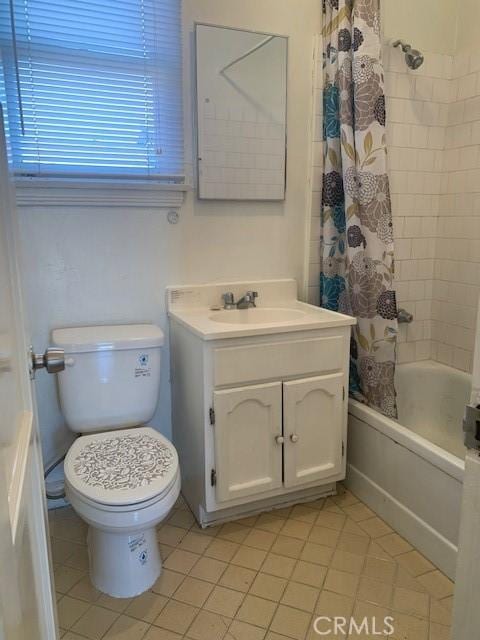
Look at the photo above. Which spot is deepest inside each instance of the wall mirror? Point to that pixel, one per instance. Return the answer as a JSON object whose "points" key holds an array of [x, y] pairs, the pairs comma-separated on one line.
{"points": [[241, 114]]}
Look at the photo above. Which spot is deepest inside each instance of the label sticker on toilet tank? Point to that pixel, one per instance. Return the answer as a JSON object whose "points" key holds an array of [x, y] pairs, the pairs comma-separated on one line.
{"points": [[136, 543], [143, 370]]}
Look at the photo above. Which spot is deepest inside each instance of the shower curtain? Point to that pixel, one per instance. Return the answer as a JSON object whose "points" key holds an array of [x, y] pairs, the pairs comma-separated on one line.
{"points": [[357, 234]]}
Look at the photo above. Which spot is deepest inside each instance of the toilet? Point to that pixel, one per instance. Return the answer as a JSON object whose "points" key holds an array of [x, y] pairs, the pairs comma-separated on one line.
{"points": [[121, 477]]}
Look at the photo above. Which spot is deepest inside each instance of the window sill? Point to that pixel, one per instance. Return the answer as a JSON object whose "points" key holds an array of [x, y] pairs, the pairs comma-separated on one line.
{"points": [[98, 193]]}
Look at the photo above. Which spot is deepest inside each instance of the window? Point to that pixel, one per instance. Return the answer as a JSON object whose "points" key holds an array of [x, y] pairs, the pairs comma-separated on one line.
{"points": [[93, 88]]}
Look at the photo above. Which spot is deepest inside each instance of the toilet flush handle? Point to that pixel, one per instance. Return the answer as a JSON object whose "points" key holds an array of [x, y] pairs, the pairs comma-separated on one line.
{"points": [[53, 360]]}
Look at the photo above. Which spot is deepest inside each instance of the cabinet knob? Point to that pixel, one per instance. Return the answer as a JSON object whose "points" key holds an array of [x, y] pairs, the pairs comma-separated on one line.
{"points": [[294, 437], [279, 439]]}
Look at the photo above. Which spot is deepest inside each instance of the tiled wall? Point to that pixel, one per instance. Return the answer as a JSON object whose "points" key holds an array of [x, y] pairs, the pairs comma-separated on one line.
{"points": [[433, 135], [417, 110], [457, 259]]}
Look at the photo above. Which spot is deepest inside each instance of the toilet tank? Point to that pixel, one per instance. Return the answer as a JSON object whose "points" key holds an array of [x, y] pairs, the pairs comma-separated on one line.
{"points": [[112, 375]]}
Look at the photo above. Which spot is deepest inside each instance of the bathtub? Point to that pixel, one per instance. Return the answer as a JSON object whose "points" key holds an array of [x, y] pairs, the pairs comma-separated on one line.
{"points": [[410, 471]]}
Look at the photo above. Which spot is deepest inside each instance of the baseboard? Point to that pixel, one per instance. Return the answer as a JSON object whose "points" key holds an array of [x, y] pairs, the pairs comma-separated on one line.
{"points": [[441, 552]]}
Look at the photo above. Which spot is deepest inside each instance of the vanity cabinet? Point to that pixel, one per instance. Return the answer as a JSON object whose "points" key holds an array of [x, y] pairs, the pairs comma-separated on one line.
{"points": [[277, 434], [259, 413]]}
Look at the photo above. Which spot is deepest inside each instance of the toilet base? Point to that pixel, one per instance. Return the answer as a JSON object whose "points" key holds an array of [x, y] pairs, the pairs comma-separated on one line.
{"points": [[123, 565]]}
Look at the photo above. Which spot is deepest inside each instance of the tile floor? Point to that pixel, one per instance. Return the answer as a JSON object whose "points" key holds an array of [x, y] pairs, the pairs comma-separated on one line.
{"points": [[262, 578]]}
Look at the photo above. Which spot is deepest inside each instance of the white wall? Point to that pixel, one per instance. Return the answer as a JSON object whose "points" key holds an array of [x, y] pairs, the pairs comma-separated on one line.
{"points": [[425, 24], [87, 265]]}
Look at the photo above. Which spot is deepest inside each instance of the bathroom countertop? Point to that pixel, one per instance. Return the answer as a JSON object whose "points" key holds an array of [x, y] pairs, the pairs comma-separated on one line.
{"points": [[201, 321]]}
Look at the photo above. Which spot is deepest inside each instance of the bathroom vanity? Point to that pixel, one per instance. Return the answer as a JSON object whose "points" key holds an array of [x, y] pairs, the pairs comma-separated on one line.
{"points": [[259, 397]]}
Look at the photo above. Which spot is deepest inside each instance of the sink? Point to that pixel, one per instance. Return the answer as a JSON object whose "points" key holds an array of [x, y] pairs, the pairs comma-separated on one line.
{"points": [[257, 316]]}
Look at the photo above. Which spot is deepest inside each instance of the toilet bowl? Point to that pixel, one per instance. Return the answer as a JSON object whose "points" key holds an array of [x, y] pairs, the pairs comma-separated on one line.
{"points": [[121, 477], [123, 484]]}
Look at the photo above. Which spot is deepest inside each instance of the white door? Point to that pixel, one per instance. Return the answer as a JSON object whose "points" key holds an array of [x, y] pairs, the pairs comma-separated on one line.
{"points": [[248, 440], [313, 420], [27, 609]]}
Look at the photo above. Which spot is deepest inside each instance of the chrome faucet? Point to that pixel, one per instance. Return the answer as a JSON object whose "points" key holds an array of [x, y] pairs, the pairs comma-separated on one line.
{"points": [[246, 302]]}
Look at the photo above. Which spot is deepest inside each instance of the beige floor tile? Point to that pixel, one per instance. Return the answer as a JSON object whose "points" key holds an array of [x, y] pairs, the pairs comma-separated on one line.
{"points": [[300, 596], [62, 550], [95, 622], [66, 578], [377, 551], [260, 539], [70, 610], [234, 532], [317, 553], [409, 627], [310, 574], [383, 570], [268, 586], [249, 521], [394, 544], [79, 558], [165, 550], [249, 557], [296, 529], [375, 592], [208, 569], [324, 535], [414, 563], [225, 602], [345, 561], [290, 622], [439, 632], [331, 520], [353, 543], [146, 607], [208, 626], [114, 604], [332, 506], [156, 633], [168, 534], [279, 566], [439, 613], [341, 582], [168, 583], [221, 550], [269, 522], [344, 497], [437, 584], [334, 605], [375, 527], [126, 628], [407, 581], [195, 542], [352, 527], [181, 518], [304, 513], [85, 590], [256, 611], [181, 561], [411, 602], [71, 529], [358, 512], [243, 631], [237, 578], [193, 591], [69, 635], [176, 616], [286, 546]]}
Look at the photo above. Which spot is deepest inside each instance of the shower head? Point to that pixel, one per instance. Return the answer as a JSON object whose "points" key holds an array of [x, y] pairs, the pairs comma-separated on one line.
{"points": [[413, 57]]}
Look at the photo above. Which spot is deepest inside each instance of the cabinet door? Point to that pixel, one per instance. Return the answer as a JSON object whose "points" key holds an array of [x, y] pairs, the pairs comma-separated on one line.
{"points": [[248, 458], [313, 427]]}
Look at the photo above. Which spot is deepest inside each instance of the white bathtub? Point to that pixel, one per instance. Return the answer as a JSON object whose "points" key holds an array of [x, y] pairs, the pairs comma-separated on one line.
{"points": [[410, 471]]}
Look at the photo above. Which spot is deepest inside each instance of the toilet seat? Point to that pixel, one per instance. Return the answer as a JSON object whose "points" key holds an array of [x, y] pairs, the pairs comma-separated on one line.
{"points": [[118, 469]]}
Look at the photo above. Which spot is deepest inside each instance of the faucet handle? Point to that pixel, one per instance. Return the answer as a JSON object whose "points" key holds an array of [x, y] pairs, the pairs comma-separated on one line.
{"points": [[228, 300], [250, 296]]}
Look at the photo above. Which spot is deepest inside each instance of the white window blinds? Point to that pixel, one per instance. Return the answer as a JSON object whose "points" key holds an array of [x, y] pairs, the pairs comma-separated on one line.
{"points": [[94, 88]]}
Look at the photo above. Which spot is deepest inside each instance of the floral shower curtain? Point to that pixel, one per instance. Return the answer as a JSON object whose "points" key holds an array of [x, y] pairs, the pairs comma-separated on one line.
{"points": [[357, 233]]}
